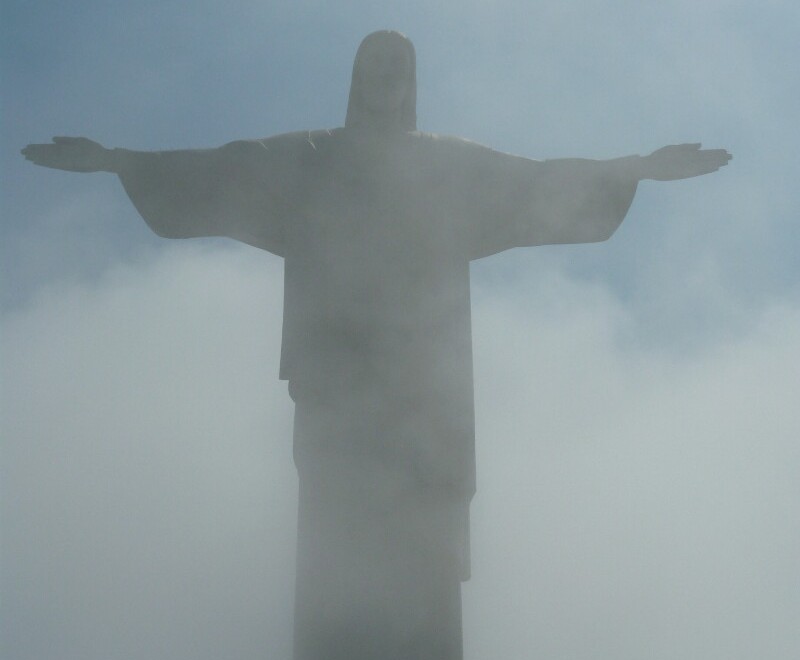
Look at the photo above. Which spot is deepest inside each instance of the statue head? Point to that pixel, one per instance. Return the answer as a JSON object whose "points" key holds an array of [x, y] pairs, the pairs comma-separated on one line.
{"points": [[383, 93]]}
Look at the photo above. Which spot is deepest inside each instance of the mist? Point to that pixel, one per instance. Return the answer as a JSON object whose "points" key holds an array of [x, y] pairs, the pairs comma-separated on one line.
{"points": [[627, 505], [637, 451]]}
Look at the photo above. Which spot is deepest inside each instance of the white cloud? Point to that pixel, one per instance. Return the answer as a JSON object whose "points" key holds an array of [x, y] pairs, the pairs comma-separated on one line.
{"points": [[148, 457], [636, 500], [631, 504]]}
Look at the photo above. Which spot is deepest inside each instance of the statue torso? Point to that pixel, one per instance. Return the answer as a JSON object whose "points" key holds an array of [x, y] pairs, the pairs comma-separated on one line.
{"points": [[375, 270]]}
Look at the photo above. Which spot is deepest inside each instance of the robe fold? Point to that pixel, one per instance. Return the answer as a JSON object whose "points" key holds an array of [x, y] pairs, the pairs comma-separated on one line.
{"points": [[377, 231]]}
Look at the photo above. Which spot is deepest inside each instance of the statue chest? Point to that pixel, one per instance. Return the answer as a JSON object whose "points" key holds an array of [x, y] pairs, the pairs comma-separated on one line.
{"points": [[370, 217]]}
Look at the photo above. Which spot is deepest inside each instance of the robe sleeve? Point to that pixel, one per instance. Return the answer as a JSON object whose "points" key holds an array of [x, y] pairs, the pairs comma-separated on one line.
{"points": [[244, 190], [516, 202]]}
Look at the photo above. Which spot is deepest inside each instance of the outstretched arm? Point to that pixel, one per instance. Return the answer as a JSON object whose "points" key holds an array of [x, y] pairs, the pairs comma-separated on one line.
{"points": [[242, 190], [512, 201], [76, 154], [680, 161]]}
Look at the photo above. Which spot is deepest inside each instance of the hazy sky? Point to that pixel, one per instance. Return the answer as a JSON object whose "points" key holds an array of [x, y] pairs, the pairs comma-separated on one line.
{"points": [[638, 432]]}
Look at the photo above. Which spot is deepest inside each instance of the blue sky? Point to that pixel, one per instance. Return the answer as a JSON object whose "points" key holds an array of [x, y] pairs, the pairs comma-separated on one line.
{"points": [[637, 439]]}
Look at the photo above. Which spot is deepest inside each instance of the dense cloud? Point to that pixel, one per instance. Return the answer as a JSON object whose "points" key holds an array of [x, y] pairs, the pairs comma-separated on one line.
{"points": [[631, 504], [638, 432]]}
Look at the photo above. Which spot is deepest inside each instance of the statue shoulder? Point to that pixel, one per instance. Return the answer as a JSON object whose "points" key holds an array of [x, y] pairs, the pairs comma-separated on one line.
{"points": [[453, 143], [442, 138], [291, 140], [281, 147]]}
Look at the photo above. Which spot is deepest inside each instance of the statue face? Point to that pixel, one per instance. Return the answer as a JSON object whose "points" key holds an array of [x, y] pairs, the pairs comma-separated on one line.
{"points": [[383, 94], [384, 72]]}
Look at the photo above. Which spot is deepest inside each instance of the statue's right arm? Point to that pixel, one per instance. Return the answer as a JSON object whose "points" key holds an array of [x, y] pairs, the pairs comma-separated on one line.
{"points": [[241, 190], [76, 154]]}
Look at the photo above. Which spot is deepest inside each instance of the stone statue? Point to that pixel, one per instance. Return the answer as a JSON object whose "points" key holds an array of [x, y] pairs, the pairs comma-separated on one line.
{"points": [[377, 223]]}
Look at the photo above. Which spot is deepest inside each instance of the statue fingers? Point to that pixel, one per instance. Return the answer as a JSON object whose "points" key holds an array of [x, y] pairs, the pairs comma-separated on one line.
{"points": [[35, 152], [715, 157], [32, 148], [686, 147], [65, 139], [721, 155]]}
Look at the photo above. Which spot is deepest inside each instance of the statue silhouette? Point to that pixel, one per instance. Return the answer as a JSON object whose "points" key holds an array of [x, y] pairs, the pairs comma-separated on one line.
{"points": [[377, 223]]}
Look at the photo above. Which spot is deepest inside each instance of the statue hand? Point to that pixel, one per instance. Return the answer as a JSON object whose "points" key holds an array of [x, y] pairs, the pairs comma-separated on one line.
{"points": [[75, 154], [682, 161]]}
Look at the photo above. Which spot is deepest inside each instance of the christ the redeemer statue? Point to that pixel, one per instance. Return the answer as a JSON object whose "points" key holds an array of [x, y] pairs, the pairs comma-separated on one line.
{"points": [[377, 223]]}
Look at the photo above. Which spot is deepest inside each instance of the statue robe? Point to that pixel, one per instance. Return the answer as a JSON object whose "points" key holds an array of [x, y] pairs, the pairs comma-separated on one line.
{"points": [[377, 231]]}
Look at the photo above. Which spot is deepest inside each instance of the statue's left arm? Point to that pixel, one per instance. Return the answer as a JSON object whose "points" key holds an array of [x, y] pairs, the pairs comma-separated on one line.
{"points": [[513, 201]]}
